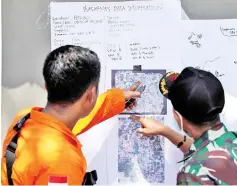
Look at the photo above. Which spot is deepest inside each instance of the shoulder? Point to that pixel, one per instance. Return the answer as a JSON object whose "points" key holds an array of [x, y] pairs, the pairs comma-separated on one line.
{"points": [[10, 131], [52, 156], [49, 149], [52, 145], [23, 112], [20, 114], [59, 157], [193, 179], [214, 157], [196, 171], [210, 164]]}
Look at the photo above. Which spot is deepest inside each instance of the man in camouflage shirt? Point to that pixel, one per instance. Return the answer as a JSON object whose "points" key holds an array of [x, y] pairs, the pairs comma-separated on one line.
{"points": [[210, 153], [211, 160]]}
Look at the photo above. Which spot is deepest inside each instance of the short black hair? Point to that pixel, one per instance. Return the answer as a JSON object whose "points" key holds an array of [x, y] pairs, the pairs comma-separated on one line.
{"points": [[68, 72], [211, 123]]}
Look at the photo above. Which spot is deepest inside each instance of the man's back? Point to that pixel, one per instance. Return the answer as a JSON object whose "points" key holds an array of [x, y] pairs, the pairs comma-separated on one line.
{"points": [[41, 152], [212, 160]]}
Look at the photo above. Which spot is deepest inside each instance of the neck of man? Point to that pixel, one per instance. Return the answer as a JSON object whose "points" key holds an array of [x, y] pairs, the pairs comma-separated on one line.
{"points": [[63, 113], [197, 132]]}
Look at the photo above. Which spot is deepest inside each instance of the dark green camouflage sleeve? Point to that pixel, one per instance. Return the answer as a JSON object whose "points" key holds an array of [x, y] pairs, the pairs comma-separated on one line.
{"points": [[216, 167], [191, 179]]}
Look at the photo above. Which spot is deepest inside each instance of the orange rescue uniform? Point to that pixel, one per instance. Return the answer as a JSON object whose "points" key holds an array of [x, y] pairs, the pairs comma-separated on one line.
{"points": [[47, 147]]}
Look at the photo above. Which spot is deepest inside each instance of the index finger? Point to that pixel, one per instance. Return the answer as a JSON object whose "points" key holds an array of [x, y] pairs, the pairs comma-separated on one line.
{"points": [[134, 86], [137, 118]]}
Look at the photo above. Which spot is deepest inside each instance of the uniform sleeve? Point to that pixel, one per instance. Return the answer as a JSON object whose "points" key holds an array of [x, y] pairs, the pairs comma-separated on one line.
{"points": [[62, 172], [192, 179], [108, 105]]}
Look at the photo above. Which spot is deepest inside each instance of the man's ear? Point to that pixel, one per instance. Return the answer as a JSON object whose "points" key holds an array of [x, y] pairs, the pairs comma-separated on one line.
{"points": [[176, 116], [45, 86], [91, 94]]}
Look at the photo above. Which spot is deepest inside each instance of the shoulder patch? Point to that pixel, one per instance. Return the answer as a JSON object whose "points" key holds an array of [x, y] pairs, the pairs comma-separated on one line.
{"points": [[58, 180]]}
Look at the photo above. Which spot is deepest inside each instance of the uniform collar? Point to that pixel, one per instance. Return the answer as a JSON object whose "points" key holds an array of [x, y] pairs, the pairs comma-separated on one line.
{"points": [[45, 119], [209, 136]]}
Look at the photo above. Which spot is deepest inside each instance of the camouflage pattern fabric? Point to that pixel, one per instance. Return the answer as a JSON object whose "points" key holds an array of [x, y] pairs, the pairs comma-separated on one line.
{"points": [[211, 160]]}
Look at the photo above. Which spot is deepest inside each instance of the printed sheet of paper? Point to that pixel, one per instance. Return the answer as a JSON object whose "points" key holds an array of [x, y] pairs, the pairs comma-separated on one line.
{"points": [[115, 25], [116, 31], [140, 159], [152, 101], [134, 167]]}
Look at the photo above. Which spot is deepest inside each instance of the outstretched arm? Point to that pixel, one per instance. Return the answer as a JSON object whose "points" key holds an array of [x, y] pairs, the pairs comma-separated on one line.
{"points": [[151, 127], [175, 137], [108, 105]]}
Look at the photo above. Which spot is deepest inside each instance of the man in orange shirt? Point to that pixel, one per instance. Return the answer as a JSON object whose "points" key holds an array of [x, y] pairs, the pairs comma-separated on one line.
{"points": [[47, 150]]}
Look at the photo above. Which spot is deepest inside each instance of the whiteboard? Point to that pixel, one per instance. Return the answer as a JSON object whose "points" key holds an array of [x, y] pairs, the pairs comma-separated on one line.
{"points": [[122, 40], [100, 26], [150, 34], [211, 46]]}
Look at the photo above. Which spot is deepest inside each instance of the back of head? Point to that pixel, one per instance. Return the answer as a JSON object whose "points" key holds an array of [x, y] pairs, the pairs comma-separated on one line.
{"points": [[196, 94], [69, 71]]}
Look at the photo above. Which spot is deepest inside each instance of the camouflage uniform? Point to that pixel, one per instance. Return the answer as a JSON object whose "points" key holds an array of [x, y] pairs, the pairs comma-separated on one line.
{"points": [[211, 160]]}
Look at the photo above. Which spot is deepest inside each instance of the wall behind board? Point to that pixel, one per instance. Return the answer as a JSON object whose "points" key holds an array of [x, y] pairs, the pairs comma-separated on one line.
{"points": [[210, 9]]}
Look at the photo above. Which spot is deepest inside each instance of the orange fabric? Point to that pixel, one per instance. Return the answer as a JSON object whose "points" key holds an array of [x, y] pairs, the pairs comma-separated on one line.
{"points": [[47, 147], [108, 105], [41, 152]]}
